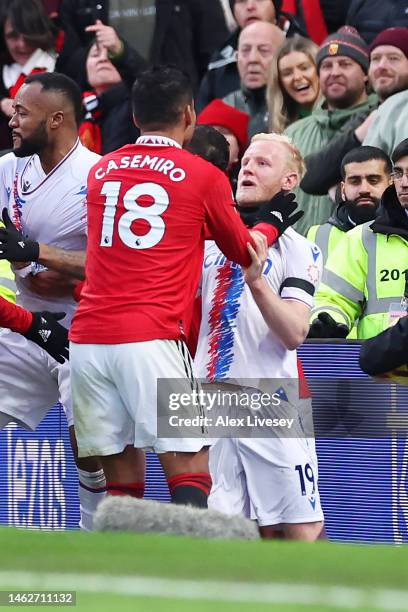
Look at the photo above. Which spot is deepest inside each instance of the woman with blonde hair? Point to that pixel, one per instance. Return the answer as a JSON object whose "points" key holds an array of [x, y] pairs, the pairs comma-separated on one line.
{"points": [[293, 85]]}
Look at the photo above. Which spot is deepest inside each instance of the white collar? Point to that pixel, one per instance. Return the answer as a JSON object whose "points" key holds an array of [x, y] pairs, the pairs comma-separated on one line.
{"points": [[157, 141], [39, 59]]}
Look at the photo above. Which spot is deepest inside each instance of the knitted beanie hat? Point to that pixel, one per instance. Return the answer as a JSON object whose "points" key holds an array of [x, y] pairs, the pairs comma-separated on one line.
{"points": [[396, 37], [346, 41]]}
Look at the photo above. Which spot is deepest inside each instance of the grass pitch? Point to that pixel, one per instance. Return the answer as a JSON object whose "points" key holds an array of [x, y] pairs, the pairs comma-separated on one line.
{"points": [[118, 571]]}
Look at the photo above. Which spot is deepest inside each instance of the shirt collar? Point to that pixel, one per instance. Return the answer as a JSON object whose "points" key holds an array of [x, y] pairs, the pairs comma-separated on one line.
{"points": [[157, 141]]}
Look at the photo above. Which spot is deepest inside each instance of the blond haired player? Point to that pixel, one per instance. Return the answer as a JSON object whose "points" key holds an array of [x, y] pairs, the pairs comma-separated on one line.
{"points": [[253, 321]]}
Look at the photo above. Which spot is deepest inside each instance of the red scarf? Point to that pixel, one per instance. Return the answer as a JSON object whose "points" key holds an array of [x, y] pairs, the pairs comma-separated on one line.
{"points": [[14, 89], [89, 130]]}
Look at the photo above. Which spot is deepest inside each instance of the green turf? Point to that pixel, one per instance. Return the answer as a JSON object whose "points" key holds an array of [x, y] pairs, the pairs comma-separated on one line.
{"points": [[118, 554], [174, 557]]}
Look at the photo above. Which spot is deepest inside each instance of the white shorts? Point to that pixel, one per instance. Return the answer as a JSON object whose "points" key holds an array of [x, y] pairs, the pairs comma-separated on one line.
{"points": [[272, 480], [31, 382], [114, 395]]}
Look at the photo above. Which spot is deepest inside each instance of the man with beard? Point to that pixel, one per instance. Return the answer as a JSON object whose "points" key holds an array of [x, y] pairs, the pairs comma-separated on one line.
{"points": [[366, 173], [262, 311], [342, 63], [388, 75], [390, 52], [43, 185], [364, 277]]}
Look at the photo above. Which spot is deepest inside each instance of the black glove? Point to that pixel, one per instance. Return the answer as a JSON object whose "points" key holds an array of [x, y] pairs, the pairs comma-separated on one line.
{"points": [[49, 334], [13, 244], [326, 327], [278, 211]]}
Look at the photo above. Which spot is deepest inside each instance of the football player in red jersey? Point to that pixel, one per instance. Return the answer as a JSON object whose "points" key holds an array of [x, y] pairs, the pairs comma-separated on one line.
{"points": [[39, 327], [148, 205]]}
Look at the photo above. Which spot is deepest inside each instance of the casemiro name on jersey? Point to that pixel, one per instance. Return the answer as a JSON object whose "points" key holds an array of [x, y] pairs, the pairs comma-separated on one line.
{"points": [[158, 164]]}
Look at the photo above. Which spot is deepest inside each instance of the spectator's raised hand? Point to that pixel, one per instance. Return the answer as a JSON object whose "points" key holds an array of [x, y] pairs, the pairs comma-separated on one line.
{"points": [[106, 36]]}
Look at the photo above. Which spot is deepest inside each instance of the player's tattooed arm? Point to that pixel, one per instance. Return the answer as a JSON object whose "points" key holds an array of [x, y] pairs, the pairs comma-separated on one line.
{"points": [[69, 262]]}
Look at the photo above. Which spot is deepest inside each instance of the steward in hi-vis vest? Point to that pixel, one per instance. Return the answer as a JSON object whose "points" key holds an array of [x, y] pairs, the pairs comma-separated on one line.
{"points": [[349, 244], [364, 278], [366, 173]]}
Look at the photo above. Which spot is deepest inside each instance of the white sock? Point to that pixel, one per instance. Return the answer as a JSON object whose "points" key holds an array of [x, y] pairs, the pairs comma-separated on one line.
{"points": [[92, 490]]}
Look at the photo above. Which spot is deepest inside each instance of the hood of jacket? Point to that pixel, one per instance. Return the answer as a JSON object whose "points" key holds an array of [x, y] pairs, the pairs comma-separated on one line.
{"points": [[340, 218], [391, 217]]}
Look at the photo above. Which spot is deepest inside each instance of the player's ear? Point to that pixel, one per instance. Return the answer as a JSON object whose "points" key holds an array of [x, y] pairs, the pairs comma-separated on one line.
{"points": [[190, 116], [56, 119], [289, 181]]}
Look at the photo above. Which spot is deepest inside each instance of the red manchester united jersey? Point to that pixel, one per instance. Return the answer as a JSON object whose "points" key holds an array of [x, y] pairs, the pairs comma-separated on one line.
{"points": [[148, 204]]}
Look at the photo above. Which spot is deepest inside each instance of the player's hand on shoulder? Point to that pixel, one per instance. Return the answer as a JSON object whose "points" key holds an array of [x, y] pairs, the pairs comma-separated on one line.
{"points": [[13, 244], [253, 273], [49, 334], [324, 326], [280, 211]]}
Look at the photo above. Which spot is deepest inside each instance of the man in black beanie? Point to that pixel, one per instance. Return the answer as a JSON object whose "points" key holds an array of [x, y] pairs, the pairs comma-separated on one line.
{"points": [[342, 63]]}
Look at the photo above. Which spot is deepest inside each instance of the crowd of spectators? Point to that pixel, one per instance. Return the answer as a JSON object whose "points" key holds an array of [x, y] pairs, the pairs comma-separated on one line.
{"points": [[327, 81], [332, 76]]}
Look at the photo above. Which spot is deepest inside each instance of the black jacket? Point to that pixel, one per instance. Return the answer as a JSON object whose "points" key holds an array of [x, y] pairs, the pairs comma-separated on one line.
{"points": [[371, 17], [391, 217], [340, 218], [186, 34], [388, 350], [334, 12], [222, 75], [117, 127]]}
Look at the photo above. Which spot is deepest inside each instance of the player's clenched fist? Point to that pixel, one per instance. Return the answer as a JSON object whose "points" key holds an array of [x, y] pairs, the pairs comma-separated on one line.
{"points": [[13, 244], [49, 334]]}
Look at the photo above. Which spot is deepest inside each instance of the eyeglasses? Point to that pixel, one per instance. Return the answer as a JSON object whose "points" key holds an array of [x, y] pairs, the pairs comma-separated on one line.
{"points": [[398, 173]]}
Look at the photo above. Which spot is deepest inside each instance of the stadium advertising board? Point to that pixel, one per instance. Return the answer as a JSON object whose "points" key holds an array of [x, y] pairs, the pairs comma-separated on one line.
{"points": [[363, 469]]}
